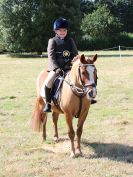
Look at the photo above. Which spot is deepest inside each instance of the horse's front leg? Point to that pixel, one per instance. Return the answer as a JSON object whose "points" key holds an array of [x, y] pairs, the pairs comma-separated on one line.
{"points": [[79, 133], [55, 121], [71, 133]]}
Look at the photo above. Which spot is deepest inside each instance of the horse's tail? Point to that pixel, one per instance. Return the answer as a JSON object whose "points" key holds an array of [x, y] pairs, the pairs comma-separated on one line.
{"points": [[37, 116], [36, 119]]}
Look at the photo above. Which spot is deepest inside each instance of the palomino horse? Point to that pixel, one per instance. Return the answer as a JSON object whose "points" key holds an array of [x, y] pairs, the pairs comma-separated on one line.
{"points": [[78, 84]]}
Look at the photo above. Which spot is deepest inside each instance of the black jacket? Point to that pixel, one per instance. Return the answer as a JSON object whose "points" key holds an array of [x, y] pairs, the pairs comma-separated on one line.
{"points": [[61, 53]]}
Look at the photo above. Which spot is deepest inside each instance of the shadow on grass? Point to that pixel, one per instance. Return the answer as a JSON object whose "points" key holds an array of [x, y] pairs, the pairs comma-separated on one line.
{"points": [[38, 149], [7, 97], [113, 151]]}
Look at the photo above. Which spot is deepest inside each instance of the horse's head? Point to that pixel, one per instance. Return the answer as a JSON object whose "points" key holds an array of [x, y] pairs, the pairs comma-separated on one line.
{"points": [[87, 74]]}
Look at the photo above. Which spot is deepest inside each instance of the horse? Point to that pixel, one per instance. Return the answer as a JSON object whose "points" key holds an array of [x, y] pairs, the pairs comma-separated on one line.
{"points": [[78, 86]]}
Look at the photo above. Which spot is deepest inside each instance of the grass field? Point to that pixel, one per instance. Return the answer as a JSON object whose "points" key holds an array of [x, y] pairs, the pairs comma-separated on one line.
{"points": [[107, 140]]}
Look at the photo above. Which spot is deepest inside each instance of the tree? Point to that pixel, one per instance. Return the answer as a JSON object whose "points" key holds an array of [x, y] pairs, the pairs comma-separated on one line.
{"points": [[122, 9], [27, 25], [101, 23], [86, 7]]}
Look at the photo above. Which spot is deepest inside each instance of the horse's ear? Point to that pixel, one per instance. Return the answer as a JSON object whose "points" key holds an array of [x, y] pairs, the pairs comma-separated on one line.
{"points": [[95, 58], [82, 59]]}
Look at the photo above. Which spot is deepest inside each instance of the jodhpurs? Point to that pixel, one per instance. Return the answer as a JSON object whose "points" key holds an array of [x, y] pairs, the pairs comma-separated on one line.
{"points": [[50, 79]]}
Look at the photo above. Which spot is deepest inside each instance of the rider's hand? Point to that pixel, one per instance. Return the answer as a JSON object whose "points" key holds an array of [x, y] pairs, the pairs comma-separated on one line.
{"points": [[75, 58], [58, 71]]}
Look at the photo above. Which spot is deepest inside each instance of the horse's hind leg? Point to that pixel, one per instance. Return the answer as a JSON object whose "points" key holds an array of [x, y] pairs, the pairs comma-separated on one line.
{"points": [[55, 121], [44, 120]]}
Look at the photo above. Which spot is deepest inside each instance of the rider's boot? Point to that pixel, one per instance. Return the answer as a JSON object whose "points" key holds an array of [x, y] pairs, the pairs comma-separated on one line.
{"points": [[93, 101], [47, 107]]}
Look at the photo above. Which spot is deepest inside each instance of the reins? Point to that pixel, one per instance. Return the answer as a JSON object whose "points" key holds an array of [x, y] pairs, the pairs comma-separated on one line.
{"points": [[80, 92]]}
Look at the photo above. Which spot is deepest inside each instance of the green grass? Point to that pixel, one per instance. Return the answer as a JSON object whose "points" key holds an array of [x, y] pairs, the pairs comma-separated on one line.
{"points": [[107, 136]]}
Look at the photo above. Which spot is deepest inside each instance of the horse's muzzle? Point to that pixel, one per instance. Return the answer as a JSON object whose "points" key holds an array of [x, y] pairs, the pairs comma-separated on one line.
{"points": [[92, 93]]}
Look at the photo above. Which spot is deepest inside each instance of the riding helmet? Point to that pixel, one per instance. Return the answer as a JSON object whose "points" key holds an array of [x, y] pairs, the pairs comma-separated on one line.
{"points": [[60, 23]]}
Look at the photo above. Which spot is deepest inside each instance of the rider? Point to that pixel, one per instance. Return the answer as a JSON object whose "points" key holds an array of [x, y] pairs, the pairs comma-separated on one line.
{"points": [[61, 50]]}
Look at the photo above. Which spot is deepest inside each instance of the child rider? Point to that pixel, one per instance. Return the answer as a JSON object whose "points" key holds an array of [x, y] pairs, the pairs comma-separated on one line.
{"points": [[61, 50]]}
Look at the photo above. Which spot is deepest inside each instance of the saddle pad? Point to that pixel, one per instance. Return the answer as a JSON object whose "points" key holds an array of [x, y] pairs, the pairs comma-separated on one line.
{"points": [[55, 90]]}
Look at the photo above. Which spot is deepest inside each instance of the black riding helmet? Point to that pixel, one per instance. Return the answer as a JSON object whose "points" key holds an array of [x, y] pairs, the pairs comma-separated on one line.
{"points": [[60, 23]]}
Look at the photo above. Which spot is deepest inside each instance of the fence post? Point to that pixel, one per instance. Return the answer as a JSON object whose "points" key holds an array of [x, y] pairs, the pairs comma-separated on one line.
{"points": [[120, 50]]}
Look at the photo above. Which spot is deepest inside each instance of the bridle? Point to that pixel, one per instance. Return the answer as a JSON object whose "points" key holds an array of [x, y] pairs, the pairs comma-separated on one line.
{"points": [[80, 92], [90, 84]]}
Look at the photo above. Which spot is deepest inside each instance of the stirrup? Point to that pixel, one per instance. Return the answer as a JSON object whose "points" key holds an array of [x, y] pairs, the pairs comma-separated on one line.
{"points": [[47, 108]]}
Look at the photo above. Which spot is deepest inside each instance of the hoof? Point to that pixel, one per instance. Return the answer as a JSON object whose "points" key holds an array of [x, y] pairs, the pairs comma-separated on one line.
{"points": [[72, 155], [79, 153], [44, 138], [56, 139]]}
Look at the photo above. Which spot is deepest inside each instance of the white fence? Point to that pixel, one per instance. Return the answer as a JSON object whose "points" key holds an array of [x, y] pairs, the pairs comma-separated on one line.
{"points": [[118, 51]]}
